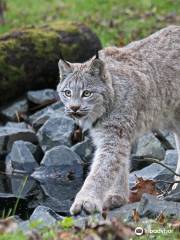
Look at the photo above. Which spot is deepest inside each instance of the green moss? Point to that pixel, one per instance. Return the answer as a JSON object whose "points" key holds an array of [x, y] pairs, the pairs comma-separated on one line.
{"points": [[69, 50], [64, 26], [44, 42]]}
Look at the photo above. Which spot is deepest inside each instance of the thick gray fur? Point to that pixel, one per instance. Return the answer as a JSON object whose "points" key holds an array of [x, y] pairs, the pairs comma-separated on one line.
{"points": [[134, 89]]}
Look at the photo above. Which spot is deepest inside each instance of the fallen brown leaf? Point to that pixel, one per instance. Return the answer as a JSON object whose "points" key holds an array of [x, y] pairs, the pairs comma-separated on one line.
{"points": [[135, 215], [161, 218], [142, 186]]}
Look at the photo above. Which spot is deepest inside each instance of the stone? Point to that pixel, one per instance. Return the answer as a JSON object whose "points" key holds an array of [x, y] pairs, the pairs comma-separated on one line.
{"points": [[84, 149], [35, 150], [149, 145], [16, 184], [9, 135], [62, 162], [10, 113], [56, 131], [124, 213], [22, 158], [154, 172], [45, 216], [42, 96], [150, 206], [40, 117], [21, 125], [170, 137], [174, 195], [61, 177], [171, 157], [59, 206]]}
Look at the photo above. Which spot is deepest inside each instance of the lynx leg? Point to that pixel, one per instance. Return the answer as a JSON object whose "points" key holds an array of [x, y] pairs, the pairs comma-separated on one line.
{"points": [[177, 178], [110, 159], [119, 192]]}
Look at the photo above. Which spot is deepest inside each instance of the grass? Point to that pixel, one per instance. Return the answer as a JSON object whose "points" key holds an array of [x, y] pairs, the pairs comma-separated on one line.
{"points": [[116, 22]]}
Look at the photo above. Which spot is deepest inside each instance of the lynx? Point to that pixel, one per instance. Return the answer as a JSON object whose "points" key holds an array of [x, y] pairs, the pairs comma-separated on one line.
{"points": [[120, 94]]}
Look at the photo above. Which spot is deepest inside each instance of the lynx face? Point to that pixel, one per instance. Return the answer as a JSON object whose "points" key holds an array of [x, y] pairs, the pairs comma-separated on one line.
{"points": [[82, 90]]}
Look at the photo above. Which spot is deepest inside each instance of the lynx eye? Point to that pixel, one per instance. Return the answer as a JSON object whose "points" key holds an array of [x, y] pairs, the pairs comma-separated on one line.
{"points": [[86, 93], [67, 93]]}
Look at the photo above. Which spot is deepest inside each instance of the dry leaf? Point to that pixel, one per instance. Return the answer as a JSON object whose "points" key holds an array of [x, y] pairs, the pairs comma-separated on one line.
{"points": [[66, 236], [135, 215], [161, 218], [142, 186], [8, 225]]}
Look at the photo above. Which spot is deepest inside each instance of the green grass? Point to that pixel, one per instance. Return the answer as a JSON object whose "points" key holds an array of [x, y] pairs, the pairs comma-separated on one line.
{"points": [[116, 22]]}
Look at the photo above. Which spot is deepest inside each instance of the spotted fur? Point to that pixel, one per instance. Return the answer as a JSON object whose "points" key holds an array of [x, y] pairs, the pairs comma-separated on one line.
{"points": [[134, 89]]}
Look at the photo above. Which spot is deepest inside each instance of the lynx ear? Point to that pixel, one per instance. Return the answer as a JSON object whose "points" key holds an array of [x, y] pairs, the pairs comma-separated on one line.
{"points": [[65, 68], [97, 67]]}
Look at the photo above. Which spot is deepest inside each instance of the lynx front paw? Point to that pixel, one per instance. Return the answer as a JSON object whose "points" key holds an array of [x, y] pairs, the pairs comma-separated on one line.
{"points": [[87, 203], [114, 201]]}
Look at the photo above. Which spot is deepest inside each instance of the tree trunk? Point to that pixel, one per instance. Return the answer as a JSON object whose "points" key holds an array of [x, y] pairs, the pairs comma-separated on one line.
{"points": [[29, 57], [2, 9]]}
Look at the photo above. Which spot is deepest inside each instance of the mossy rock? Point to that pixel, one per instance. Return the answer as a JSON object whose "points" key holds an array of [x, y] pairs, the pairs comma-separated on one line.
{"points": [[29, 57]]}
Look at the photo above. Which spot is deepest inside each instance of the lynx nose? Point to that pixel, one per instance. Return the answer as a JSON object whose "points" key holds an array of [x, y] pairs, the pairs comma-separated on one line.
{"points": [[75, 108]]}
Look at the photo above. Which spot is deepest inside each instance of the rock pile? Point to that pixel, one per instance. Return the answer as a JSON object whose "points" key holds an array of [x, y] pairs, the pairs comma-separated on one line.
{"points": [[38, 140]]}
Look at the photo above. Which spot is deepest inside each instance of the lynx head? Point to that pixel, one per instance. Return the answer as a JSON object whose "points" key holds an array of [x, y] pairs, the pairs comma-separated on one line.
{"points": [[85, 90]]}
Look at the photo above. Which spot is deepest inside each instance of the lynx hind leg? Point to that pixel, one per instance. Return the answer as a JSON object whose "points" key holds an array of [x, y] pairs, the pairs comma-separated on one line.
{"points": [[118, 194], [177, 178]]}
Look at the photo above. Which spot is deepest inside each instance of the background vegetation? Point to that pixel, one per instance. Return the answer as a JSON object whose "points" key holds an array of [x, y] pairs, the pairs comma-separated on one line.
{"points": [[116, 22]]}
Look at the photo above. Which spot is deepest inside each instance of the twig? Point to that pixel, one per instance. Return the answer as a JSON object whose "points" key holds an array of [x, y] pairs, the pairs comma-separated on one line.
{"points": [[153, 160], [166, 144]]}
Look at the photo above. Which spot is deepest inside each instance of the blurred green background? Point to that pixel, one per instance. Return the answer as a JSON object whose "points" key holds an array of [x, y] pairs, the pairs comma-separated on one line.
{"points": [[116, 22]]}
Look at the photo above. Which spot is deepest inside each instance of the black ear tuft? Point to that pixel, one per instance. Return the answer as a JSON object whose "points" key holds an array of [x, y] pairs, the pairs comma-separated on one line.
{"points": [[61, 56], [97, 54]]}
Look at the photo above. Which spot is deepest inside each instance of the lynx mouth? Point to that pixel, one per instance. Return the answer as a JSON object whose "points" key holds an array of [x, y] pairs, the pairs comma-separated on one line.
{"points": [[77, 114]]}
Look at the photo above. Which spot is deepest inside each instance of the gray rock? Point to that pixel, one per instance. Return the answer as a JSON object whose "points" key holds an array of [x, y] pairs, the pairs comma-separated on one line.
{"points": [[60, 162], [21, 125], [60, 167], [10, 112], [84, 149], [170, 137], [46, 215], [149, 145], [28, 186], [171, 157], [56, 131], [174, 195], [22, 158], [8, 135], [59, 206], [35, 150], [24, 226], [40, 117], [150, 206], [124, 213], [32, 147], [42, 96], [153, 171]]}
